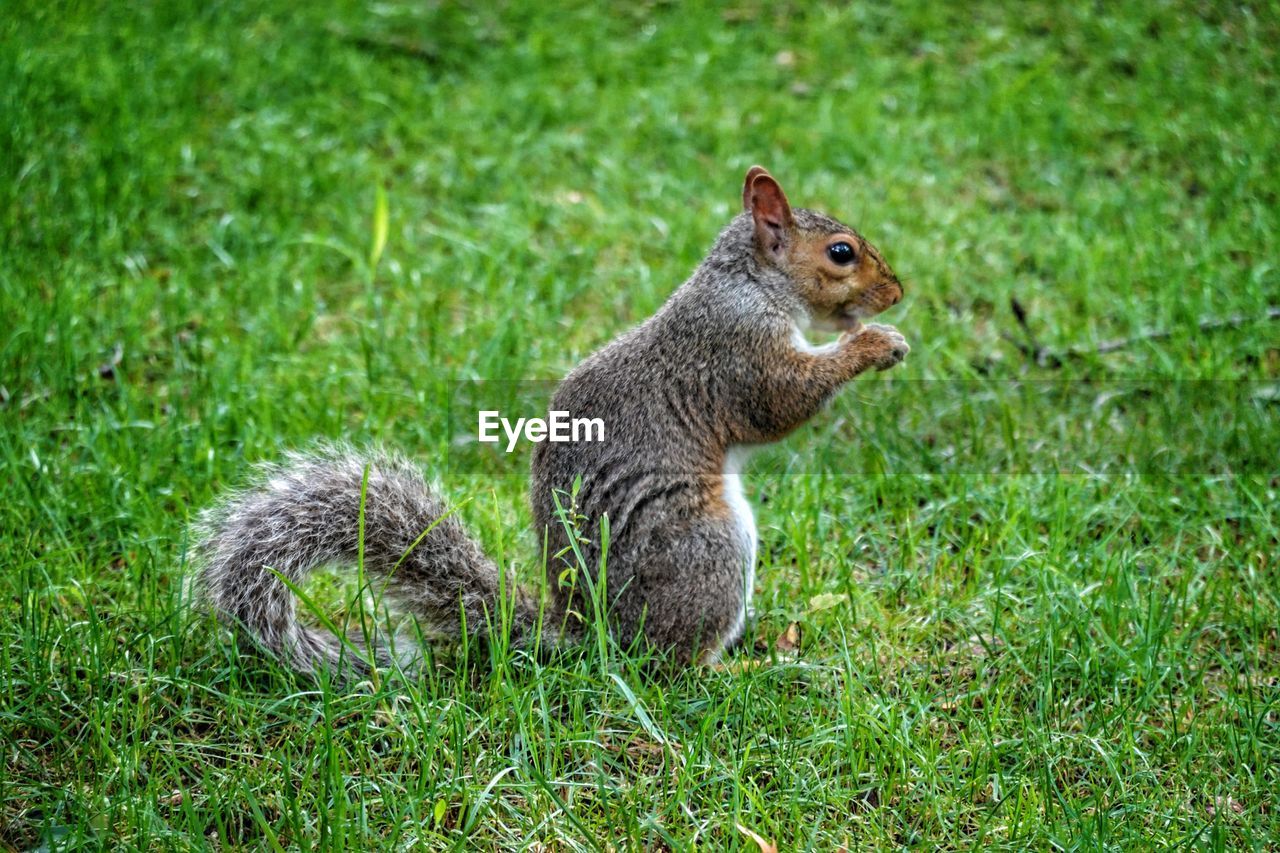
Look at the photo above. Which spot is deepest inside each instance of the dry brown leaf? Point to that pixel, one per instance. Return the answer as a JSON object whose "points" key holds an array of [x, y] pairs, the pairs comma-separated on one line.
{"points": [[789, 640], [827, 600], [1224, 804], [649, 749], [765, 846]]}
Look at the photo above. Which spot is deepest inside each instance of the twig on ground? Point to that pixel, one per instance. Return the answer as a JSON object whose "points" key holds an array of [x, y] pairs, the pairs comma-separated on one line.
{"points": [[388, 44], [1043, 357]]}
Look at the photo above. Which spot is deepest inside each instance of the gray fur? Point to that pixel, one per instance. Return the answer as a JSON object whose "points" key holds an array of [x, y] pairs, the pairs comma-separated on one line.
{"points": [[304, 513], [716, 370]]}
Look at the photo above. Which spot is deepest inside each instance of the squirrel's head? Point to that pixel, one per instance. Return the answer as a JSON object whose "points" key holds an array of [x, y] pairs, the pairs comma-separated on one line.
{"points": [[841, 276]]}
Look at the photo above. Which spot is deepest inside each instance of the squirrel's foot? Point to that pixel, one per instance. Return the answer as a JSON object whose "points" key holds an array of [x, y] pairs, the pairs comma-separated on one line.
{"points": [[882, 346]]}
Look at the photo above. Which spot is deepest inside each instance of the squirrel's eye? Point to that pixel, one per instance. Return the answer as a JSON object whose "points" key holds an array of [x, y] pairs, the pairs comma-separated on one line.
{"points": [[841, 253]]}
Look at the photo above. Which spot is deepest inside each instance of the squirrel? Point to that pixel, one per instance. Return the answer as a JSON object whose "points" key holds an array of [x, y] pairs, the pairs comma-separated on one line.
{"points": [[721, 368]]}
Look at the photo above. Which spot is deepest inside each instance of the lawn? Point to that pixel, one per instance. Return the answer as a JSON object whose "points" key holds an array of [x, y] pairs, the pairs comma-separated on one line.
{"points": [[1033, 570]]}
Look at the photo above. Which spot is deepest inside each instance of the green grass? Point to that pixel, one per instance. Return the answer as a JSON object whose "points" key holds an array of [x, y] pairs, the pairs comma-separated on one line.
{"points": [[1051, 593]]}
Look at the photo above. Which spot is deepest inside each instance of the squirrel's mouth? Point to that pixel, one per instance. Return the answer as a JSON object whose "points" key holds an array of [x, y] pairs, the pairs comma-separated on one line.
{"points": [[848, 318], [849, 322]]}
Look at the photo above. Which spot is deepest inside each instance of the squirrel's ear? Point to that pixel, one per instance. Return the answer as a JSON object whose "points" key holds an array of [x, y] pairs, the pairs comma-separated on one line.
{"points": [[752, 173], [763, 196]]}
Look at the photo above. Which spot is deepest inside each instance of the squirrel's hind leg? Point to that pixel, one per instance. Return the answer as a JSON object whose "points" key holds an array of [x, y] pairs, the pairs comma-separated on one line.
{"points": [[691, 597]]}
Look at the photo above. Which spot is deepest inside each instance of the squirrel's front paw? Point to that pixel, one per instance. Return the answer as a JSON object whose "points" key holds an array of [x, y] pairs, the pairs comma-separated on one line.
{"points": [[883, 346]]}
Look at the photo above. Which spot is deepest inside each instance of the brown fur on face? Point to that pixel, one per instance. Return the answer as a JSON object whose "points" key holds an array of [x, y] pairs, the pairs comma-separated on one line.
{"points": [[839, 296], [842, 295]]}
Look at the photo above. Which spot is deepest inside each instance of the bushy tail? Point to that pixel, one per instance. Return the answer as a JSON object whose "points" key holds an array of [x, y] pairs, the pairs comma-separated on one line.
{"points": [[305, 513]]}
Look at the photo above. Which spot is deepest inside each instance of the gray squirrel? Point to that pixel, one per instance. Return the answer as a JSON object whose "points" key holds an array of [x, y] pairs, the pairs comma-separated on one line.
{"points": [[721, 368]]}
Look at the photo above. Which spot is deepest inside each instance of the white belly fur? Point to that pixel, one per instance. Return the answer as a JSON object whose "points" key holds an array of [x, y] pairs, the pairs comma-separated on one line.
{"points": [[745, 522], [802, 345]]}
